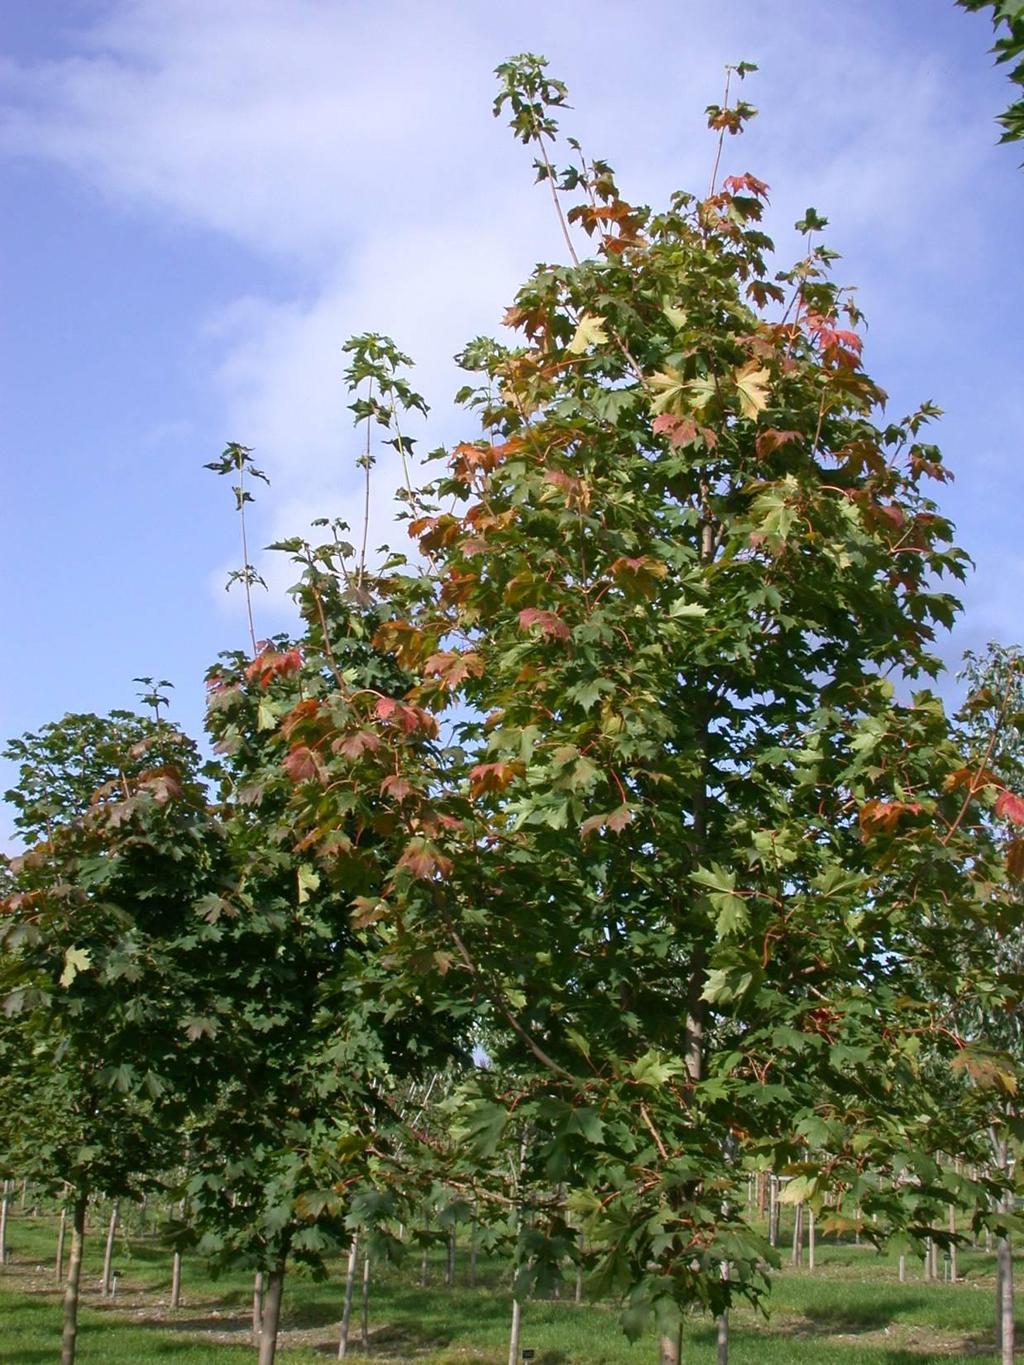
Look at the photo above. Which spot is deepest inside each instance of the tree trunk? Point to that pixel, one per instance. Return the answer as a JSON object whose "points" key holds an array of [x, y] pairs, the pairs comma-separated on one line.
{"points": [[257, 1307], [928, 1259], [902, 1272], [5, 1204], [670, 1349], [773, 1209], [71, 1285], [271, 1314], [1004, 1303], [798, 1235], [346, 1313], [954, 1267], [723, 1339], [108, 1251], [62, 1227], [449, 1273], [472, 1254], [513, 1340], [364, 1316], [176, 1280], [811, 1240]]}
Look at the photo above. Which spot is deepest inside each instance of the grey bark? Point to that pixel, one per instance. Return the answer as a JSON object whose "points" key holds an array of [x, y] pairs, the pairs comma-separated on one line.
{"points": [[271, 1314], [5, 1204], [257, 1306], [798, 1235], [513, 1339], [346, 1312], [69, 1337], [62, 1227], [108, 1250], [176, 1280], [364, 1316]]}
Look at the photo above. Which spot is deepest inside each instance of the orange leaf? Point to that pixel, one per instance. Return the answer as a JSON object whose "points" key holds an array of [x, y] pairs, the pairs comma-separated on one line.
{"points": [[493, 777], [884, 816]]}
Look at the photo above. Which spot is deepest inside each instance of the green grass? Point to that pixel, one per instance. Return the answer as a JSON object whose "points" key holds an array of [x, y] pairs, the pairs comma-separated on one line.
{"points": [[852, 1311]]}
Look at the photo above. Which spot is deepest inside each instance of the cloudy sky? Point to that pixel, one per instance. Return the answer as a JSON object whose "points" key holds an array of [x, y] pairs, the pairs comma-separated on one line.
{"points": [[205, 199]]}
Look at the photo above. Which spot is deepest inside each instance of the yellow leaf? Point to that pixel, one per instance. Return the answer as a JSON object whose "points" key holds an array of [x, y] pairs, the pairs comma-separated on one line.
{"points": [[752, 386], [590, 332], [75, 960]]}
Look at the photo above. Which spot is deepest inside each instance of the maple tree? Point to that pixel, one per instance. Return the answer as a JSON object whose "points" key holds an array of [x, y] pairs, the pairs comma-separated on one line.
{"points": [[691, 860], [93, 975]]}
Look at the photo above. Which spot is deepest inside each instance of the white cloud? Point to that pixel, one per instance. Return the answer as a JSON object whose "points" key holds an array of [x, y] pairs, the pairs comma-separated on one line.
{"points": [[352, 143]]}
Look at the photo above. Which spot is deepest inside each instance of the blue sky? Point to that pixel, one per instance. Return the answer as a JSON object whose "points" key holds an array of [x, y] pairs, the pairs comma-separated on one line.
{"points": [[205, 200]]}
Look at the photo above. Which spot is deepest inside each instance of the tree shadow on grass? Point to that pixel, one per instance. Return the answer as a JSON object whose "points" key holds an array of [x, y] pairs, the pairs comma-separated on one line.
{"points": [[830, 1319]]}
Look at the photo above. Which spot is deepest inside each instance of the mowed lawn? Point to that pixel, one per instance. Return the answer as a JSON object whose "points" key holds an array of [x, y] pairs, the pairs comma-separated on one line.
{"points": [[851, 1311]]}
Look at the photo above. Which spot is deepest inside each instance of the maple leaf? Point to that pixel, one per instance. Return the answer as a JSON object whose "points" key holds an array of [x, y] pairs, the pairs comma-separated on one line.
{"points": [[423, 860], [1015, 859], [354, 746], [407, 718], [681, 431], [75, 960], [748, 182], [1010, 806], [752, 386], [164, 784], [493, 777], [305, 710], [885, 815], [396, 787], [303, 764], [770, 440], [968, 777], [453, 668], [615, 820], [550, 625], [589, 332], [271, 664]]}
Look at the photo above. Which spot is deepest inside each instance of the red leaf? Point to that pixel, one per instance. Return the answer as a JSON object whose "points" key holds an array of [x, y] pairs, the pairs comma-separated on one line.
{"points": [[396, 787], [550, 624], [748, 182], [271, 664], [424, 861], [681, 431], [303, 764], [407, 718], [354, 746], [769, 441], [1010, 806]]}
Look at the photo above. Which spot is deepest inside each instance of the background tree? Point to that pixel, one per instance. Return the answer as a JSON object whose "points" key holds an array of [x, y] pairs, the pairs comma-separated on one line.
{"points": [[94, 975]]}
